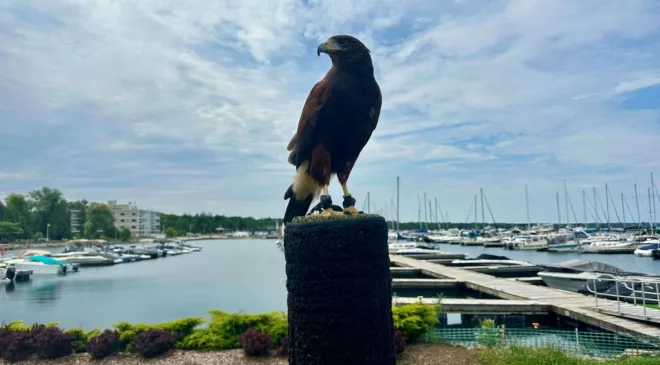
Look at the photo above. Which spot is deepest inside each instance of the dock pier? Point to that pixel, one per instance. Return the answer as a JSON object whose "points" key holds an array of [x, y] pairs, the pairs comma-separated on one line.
{"points": [[518, 290]]}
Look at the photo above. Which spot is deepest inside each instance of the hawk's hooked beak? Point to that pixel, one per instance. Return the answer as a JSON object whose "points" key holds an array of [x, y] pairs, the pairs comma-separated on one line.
{"points": [[328, 46]]}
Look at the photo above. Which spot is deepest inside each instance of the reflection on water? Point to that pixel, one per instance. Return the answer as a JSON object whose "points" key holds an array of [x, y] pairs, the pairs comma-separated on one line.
{"points": [[230, 275]]}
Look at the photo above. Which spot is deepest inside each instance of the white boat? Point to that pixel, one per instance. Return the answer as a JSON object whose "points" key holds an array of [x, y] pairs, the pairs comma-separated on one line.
{"points": [[394, 247], [527, 242], [40, 265], [417, 251], [621, 246], [87, 260], [581, 276], [490, 260], [647, 249]]}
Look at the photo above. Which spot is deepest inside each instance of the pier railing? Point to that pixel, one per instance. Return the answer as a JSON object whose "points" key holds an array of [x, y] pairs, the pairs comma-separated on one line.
{"points": [[581, 343], [639, 291]]}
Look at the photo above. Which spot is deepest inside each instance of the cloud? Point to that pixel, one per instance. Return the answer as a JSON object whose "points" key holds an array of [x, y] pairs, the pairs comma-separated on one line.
{"points": [[188, 106]]}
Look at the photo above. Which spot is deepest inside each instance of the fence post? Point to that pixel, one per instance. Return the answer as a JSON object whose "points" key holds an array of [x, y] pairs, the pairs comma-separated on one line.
{"points": [[577, 340], [502, 340], [339, 291]]}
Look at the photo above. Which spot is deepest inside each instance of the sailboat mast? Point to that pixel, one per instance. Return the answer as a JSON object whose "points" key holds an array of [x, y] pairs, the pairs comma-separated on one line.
{"points": [[650, 209], [637, 202], [558, 212], [368, 202], [584, 207], [607, 204], [483, 216], [436, 212], [596, 207], [568, 217], [529, 226], [623, 207], [475, 211], [653, 193], [426, 217], [397, 204]]}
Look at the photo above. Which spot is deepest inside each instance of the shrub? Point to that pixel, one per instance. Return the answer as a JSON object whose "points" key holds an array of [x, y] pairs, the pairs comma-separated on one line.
{"points": [[153, 342], [224, 329], [283, 350], [488, 335], [5, 335], [255, 343], [414, 320], [52, 343], [179, 329], [19, 346], [81, 338], [103, 345], [399, 342]]}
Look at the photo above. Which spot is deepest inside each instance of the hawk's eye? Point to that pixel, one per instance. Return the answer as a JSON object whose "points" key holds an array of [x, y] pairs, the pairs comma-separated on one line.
{"points": [[342, 42]]}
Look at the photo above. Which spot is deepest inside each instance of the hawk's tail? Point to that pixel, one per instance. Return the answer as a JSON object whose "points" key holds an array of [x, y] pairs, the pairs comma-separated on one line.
{"points": [[296, 208]]}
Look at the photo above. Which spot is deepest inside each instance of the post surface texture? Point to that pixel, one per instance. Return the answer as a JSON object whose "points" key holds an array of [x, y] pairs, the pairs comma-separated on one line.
{"points": [[339, 292]]}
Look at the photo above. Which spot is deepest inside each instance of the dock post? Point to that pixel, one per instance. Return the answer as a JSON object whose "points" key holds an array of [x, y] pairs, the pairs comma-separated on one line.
{"points": [[339, 291]]}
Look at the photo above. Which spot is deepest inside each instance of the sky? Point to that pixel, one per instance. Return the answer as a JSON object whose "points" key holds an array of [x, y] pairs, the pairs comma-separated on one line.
{"points": [[187, 106]]}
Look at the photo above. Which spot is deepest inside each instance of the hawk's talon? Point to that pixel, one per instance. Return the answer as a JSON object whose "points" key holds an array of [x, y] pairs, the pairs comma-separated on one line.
{"points": [[349, 201], [351, 210]]}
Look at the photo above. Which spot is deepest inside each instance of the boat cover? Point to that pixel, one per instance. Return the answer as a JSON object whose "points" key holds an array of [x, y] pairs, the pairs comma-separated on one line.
{"points": [[587, 266], [485, 256], [46, 260]]}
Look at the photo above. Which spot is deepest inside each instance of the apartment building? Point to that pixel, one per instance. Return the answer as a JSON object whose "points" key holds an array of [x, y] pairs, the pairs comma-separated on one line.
{"points": [[76, 221], [141, 222]]}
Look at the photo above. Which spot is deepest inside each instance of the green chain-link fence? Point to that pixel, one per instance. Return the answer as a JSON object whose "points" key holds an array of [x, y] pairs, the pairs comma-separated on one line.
{"points": [[584, 343]]}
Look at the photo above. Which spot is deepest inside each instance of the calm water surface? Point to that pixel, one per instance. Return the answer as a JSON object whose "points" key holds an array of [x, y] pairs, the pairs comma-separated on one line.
{"points": [[628, 262], [230, 275]]}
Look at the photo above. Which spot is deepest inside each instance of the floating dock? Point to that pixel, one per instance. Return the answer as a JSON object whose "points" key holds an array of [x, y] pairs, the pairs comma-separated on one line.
{"points": [[576, 306], [481, 306], [425, 283]]}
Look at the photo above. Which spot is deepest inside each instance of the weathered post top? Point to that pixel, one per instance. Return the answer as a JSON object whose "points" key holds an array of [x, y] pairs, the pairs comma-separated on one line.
{"points": [[339, 291]]}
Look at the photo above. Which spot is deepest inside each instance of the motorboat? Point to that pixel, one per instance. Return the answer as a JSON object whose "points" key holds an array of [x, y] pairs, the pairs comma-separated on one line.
{"points": [[489, 260], [394, 247], [619, 246], [647, 250], [7, 273], [417, 251], [40, 265], [589, 277], [527, 242], [90, 260]]}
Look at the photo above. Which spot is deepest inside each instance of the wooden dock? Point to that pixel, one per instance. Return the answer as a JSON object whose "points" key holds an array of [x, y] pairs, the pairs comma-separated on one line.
{"points": [[425, 283], [481, 306], [437, 256], [564, 303]]}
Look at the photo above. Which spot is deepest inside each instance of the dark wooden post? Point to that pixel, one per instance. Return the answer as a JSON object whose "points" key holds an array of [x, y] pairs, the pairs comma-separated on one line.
{"points": [[339, 291]]}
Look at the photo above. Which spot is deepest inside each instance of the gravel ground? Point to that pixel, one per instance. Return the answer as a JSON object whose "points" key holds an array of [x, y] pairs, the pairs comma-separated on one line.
{"points": [[423, 354]]}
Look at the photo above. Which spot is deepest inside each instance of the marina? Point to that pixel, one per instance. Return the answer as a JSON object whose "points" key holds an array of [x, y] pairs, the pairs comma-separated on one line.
{"points": [[573, 305]]}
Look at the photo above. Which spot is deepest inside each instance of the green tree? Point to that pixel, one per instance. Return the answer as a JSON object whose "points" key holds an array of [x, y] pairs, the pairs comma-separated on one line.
{"points": [[2, 211], [99, 221], [10, 230], [50, 208], [125, 234], [18, 211], [170, 232]]}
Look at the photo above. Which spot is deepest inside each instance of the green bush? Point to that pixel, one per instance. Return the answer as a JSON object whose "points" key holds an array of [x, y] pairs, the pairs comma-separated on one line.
{"points": [[225, 328], [81, 338], [414, 320], [179, 328], [488, 336]]}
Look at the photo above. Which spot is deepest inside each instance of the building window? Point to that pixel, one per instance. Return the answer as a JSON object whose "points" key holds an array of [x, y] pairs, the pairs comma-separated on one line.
{"points": [[133, 220], [133, 214], [132, 227], [121, 213], [122, 220]]}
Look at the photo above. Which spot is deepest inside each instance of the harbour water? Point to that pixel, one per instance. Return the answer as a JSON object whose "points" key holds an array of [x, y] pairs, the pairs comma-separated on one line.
{"points": [[229, 275]]}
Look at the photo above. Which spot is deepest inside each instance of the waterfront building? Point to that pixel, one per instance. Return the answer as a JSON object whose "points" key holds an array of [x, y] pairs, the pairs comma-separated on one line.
{"points": [[141, 222], [76, 221]]}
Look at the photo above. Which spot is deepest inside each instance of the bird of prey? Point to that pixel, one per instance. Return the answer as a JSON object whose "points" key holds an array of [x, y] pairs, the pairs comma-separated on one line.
{"points": [[337, 120]]}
